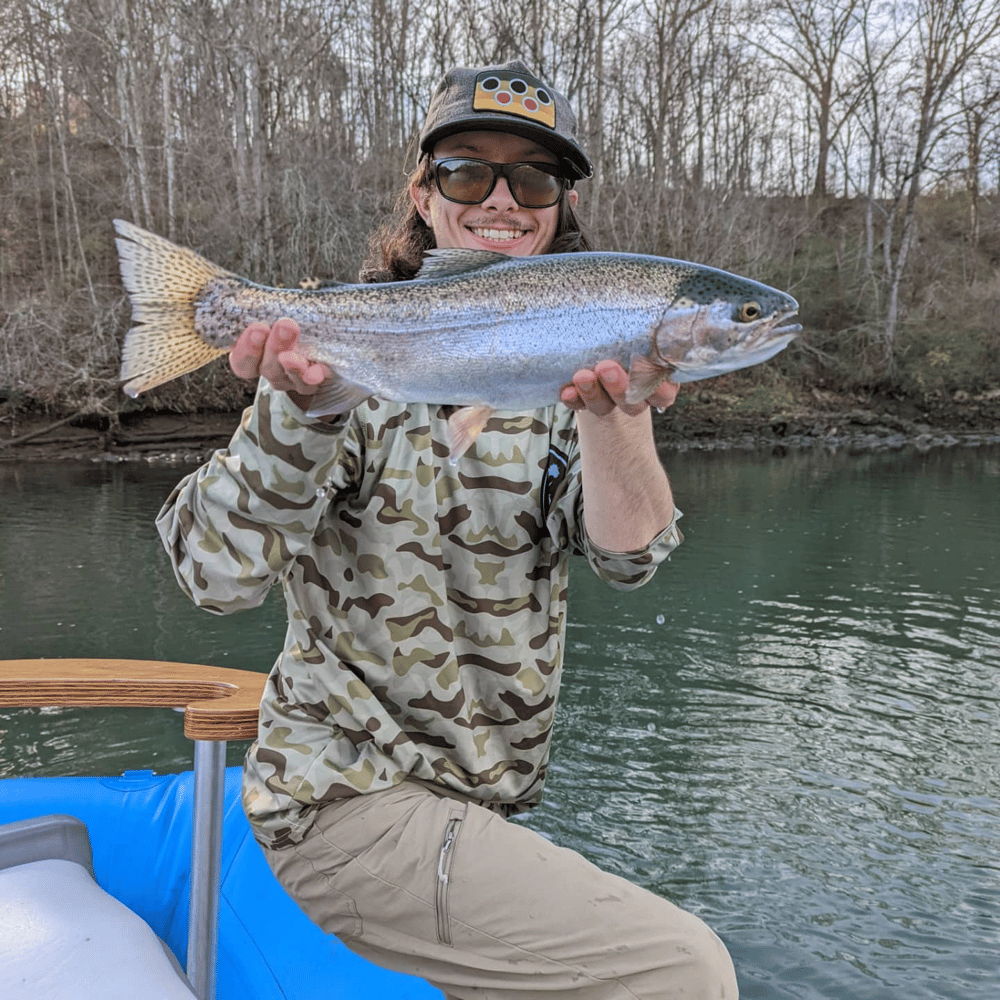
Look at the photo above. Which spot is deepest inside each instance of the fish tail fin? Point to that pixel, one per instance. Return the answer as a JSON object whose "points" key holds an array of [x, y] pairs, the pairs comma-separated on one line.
{"points": [[163, 281]]}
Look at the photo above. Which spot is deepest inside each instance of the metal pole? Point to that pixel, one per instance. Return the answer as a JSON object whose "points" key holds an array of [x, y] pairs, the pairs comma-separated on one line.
{"points": [[206, 866]]}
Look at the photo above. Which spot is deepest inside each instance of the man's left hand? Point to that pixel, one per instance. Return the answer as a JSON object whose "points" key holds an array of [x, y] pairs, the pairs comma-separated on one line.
{"points": [[603, 389]]}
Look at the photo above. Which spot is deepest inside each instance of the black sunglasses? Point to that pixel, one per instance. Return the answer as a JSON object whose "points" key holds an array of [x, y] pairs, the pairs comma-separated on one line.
{"points": [[467, 181]]}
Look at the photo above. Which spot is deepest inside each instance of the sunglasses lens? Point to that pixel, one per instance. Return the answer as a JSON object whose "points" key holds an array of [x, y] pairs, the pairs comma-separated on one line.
{"points": [[468, 182], [465, 181], [534, 188]]}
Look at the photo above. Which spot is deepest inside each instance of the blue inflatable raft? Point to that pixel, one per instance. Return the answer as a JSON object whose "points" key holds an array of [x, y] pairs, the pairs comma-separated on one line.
{"points": [[140, 830]]}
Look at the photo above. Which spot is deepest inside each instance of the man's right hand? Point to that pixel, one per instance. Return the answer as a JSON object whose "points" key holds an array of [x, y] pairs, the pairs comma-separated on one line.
{"points": [[272, 353]]}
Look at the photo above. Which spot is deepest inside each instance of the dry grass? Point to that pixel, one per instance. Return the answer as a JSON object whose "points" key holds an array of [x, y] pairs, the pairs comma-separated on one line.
{"points": [[60, 355]]}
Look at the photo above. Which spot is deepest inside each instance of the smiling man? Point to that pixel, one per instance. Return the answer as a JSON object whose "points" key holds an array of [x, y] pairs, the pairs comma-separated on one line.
{"points": [[410, 712], [472, 205]]}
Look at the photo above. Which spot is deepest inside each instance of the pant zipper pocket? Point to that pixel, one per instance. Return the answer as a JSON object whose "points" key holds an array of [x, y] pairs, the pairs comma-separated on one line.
{"points": [[443, 873]]}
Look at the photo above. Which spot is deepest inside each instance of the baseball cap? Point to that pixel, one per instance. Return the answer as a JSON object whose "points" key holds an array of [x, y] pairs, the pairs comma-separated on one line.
{"points": [[508, 98]]}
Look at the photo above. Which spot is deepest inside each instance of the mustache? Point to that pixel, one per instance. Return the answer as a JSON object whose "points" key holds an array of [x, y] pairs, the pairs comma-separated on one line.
{"points": [[499, 222]]}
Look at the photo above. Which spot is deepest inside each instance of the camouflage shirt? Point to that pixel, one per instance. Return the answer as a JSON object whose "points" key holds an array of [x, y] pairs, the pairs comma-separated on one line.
{"points": [[426, 602]]}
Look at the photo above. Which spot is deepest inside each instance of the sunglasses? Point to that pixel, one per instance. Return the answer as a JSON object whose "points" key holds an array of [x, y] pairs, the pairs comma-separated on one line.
{"points": [[467, 181]]}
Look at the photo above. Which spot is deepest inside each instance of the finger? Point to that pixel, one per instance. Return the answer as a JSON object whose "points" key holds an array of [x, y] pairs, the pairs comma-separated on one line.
{"points": [[591, 393], [665, 395], [571, 397], [247, 352], [282, 339], [305, 375], [614, 382]]}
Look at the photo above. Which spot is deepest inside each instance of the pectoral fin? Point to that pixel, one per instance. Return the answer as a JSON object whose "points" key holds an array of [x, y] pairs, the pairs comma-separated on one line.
{"points": [[337, 395], [464, 426], [644, 376]]}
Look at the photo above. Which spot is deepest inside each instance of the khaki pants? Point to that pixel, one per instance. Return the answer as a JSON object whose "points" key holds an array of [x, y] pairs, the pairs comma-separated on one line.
{"points": [[486, 909]]}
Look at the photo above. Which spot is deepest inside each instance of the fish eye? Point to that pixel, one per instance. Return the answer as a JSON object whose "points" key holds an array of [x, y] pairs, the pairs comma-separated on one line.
{"points": [[749, 311]]}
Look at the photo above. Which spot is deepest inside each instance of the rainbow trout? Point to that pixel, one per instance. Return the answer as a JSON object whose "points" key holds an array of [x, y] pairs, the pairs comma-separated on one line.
{"points": [[474, 328]]}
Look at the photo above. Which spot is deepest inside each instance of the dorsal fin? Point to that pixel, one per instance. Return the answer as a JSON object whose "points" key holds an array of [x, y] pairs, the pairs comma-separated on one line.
{"points": [[454, 261]]}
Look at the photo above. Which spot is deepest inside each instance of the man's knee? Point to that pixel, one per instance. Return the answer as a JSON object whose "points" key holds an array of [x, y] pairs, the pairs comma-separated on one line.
{"points": [[697, 964]]}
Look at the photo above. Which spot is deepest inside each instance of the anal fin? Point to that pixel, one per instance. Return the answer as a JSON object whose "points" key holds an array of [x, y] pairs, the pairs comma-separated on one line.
{"points": [[464, 426]]}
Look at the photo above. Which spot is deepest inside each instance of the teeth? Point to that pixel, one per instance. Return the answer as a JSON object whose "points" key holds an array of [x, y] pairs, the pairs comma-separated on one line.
{"points": [[499, 234]]}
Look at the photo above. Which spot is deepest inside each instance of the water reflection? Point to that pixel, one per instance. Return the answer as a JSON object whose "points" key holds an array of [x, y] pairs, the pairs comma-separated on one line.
{"points": [[794, 731], [806, 750]]}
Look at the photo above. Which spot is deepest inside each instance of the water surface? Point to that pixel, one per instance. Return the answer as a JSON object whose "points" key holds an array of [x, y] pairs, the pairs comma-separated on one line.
{"points": [[794, 730]]}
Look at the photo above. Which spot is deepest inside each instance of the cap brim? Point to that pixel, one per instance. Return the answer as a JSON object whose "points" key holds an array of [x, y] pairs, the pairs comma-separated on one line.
{"points": [[571, 157]]}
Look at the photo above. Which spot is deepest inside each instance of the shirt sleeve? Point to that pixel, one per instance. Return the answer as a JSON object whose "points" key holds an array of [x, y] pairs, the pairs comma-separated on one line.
{"points": [[566, 521], [629, 570], [232, 527]]}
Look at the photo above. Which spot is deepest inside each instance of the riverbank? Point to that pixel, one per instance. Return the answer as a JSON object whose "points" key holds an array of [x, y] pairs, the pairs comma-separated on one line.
{"points": [[710, 419], [704, 419]]}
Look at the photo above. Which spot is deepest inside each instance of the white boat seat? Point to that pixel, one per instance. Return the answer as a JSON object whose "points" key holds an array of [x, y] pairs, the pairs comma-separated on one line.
{"points": [[62, 937]]}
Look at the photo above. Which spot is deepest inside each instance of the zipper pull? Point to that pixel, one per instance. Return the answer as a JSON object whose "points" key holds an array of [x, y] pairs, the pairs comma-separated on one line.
{"points": [[445, 848]]}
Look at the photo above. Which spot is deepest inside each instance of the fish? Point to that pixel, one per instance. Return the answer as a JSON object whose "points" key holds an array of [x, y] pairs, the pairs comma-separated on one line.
{"points": [[475, 329]]}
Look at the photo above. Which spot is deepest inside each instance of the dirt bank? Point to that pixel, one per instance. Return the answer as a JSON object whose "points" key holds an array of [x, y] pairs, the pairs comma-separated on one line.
{"points": [[703, 419], [149, 437], [710, 419]]}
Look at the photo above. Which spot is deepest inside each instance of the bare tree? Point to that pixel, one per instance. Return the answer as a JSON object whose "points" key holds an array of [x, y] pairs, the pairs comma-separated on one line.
{"points": [[949, 33], [979, 102], [808, 40], [271, 134]]}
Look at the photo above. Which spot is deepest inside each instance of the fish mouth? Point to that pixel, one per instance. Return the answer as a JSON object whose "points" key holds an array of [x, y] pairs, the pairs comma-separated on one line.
{"points": [[780, 331], [779, 317]]}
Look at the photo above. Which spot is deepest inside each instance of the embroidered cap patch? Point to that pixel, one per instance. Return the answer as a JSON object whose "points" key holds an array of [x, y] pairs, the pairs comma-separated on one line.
{"points": [[516, 94]]}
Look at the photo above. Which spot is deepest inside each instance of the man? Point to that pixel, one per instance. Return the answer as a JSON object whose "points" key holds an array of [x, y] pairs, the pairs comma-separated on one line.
{"points": [[410, 711]]}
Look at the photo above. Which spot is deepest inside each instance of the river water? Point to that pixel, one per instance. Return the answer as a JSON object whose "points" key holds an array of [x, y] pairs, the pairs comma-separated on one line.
{"points": [[793, 731]]}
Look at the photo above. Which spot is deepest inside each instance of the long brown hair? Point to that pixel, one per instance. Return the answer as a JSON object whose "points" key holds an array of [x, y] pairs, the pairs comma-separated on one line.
{"points": [[396, 249]]}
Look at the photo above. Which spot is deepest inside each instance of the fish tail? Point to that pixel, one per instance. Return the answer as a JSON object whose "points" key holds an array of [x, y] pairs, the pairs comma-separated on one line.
{"points": [[164, 282]]}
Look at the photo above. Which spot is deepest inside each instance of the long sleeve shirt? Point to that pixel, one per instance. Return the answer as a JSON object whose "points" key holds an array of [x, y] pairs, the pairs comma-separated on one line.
{"points": [[426, 601]]}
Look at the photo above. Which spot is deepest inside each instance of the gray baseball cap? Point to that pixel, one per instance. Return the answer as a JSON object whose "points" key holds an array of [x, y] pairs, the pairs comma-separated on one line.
{"points": [[508, 98]]}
